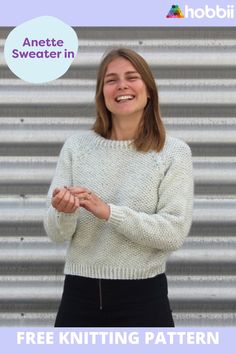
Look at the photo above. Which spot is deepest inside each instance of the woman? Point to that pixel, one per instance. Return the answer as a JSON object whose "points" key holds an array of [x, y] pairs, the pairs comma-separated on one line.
{"points": [[122, 196]]}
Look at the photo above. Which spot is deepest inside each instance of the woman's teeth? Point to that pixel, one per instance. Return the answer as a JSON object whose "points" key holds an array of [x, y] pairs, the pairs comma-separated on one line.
{"points": [[124, 98]]}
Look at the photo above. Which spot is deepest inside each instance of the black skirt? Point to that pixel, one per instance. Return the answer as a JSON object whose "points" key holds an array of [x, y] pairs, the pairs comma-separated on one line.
{"points": [[88, 302]]}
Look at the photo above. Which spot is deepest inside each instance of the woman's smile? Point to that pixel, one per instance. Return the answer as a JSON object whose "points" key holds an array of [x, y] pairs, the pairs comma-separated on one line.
{"points": [[124, 98]]}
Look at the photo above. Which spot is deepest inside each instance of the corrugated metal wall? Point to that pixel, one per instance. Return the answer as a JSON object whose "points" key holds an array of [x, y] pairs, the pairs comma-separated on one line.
{"points": [[196, 74]]}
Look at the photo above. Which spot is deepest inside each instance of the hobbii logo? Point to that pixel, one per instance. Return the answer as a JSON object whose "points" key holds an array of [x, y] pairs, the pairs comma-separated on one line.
{"points": [[201, 12], [209, 12]]}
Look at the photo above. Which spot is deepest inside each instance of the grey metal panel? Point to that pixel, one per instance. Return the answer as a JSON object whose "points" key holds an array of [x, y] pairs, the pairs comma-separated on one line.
{"points": [[32, 174], [68, 91], [196, 77], [206, 136]]}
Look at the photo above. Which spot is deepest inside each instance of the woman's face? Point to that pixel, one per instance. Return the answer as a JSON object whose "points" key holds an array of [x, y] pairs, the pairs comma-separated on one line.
{"points": [[124, 91]]}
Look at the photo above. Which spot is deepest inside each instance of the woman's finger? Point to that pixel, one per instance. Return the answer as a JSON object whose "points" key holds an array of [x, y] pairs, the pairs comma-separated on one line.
{"points": [[64, 200], [87, 204], [78, 190], [83, 196], [56, 191], [76, 205], [70, 204], [58, 197]]}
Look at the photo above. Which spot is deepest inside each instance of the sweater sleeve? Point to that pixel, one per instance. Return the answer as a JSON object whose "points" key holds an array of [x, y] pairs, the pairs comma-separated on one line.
{"points": [[168, 227], [60, 226]]}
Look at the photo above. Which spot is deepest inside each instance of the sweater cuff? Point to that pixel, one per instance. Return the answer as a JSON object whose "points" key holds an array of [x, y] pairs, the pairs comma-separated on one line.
{"points": [[63, 218], [66, 218], [116, 215]]}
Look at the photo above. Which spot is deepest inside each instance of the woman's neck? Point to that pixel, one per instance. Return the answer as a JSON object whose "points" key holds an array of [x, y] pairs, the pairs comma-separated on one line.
{"points": [[123, 130], [117, 134]]}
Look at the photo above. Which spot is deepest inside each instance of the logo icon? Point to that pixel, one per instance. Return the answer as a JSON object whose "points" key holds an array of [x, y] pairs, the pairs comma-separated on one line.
{"points": [[175, 12]]}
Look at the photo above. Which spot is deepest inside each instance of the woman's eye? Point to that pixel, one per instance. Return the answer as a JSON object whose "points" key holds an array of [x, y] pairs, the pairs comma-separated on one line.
{"points": [[133, 78], [110, 81]]}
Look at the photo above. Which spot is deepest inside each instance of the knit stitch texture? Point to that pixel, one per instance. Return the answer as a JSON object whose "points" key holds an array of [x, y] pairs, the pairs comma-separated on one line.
{"points": [[150, 197]]}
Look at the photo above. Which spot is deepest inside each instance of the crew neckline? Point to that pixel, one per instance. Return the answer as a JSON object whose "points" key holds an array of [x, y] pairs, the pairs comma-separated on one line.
{"points": [[100, 140]]}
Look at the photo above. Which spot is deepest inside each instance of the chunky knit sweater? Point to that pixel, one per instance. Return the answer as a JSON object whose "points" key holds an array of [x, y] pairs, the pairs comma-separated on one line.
{"points": [[150, 197]]}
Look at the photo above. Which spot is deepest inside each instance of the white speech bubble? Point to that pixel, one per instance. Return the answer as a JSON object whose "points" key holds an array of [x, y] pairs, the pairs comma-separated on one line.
{"points": [[41, 50]]}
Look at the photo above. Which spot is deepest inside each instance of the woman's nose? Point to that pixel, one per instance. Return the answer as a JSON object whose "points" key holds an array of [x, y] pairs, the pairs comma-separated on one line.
{"points": [[122, 84]]}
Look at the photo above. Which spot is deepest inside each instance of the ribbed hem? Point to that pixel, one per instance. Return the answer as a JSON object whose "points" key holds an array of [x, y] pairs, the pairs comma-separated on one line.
{"points": [[108, 272], [116, 215]]}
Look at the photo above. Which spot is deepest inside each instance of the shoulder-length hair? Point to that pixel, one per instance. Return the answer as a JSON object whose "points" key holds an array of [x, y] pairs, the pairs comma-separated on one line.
{"points": [[151, 131]]}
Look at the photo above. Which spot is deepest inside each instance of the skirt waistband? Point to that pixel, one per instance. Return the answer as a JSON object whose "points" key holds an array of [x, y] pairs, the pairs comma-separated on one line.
{"points": [[128, 289]]}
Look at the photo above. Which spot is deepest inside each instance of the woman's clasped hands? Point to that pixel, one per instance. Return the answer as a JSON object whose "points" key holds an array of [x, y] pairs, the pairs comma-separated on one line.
{"points": [[69, 199]]}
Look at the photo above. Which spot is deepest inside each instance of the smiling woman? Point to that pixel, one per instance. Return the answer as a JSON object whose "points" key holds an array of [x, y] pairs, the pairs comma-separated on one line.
{"points": [[123, 72], [125, 95], [122, 196]]}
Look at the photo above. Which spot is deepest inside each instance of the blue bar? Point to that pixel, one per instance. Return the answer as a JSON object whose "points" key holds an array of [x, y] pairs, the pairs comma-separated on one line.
{"points": [[120, 13], [114, 340]]}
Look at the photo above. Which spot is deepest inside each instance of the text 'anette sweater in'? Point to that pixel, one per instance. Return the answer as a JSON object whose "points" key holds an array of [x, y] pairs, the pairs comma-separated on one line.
{"points": [[150, 197]]}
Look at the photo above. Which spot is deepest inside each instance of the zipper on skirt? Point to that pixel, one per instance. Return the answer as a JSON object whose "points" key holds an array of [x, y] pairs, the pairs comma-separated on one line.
{"points": [[100, 293]]}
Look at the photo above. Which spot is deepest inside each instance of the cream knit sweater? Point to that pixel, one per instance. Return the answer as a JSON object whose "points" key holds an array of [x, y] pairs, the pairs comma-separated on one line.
{"points": [[150, 197]]}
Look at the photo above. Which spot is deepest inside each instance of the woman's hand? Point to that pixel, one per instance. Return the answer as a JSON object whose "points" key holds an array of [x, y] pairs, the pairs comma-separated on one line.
{"points": [[91, 202], [64, 201]]}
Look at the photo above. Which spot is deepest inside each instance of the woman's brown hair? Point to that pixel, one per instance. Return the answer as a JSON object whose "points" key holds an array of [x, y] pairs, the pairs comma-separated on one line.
{"points": [[151, 131]]}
